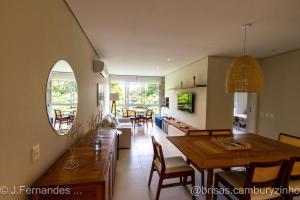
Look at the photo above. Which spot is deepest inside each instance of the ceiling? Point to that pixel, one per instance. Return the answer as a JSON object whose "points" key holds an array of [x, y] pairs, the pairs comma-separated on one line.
{"points": [[136, 37]]}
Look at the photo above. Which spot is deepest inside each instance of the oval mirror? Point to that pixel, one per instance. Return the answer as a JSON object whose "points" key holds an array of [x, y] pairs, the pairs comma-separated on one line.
{"points": [[61, 97]]}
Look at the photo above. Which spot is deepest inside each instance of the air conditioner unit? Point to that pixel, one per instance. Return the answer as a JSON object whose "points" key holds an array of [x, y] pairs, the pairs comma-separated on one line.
{"points": [[99, 68]]}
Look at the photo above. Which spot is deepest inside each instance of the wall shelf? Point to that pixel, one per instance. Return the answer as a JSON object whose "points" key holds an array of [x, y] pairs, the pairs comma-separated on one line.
{"points": [[187, 87]]}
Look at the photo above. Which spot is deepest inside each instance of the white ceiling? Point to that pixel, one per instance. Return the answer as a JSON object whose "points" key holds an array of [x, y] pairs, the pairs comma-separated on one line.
{"points": [[138, 36]]}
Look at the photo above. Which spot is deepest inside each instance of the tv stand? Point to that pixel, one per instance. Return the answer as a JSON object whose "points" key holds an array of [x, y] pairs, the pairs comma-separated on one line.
{"points": [[182, 126]]}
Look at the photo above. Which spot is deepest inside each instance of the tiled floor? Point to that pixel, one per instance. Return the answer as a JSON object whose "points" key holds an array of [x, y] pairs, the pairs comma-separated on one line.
{"points": [[133, 169]]}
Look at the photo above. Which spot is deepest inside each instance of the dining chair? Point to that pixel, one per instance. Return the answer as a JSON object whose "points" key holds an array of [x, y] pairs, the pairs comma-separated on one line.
{"points": [[60, 118], [73, 116], [221, 132], [169, 167], [289, 139], [198, 133], [125, 112], [148, 117], [292, 181], [134, 118], [261, 176]]}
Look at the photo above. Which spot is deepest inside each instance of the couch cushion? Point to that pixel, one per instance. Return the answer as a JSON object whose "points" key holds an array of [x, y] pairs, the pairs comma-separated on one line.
{"points": [[173, 164]]}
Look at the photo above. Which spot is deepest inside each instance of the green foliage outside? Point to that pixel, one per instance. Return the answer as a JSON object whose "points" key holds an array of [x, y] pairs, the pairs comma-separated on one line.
{"points": [[64, 92], [138, 95]]}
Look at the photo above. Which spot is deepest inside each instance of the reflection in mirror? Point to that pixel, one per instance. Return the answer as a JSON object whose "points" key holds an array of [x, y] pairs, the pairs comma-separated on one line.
{"points": [[62, 97]]}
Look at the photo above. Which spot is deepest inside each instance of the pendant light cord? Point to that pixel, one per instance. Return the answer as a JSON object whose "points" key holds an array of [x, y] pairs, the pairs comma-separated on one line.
{"points": [[245, 38]]}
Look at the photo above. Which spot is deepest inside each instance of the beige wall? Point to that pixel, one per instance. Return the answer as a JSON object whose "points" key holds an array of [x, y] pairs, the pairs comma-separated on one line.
{"points": [[185, 74], [213, 107], [34, 35], [219, 104], [280, 95]]}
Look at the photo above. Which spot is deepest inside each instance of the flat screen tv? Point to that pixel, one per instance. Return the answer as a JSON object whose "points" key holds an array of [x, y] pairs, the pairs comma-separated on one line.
{"points": [[185, 102]]}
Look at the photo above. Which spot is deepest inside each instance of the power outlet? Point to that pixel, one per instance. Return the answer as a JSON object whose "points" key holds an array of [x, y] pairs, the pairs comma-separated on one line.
{"points": [[35, 153]]}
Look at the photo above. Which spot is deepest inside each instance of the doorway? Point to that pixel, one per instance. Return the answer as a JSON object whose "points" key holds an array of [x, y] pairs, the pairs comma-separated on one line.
{"points": [[240, 112], [244, 113]]}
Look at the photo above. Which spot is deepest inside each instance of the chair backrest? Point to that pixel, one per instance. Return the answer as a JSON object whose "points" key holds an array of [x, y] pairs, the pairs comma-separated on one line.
{"points": [[125, 112], [293, 169], [158, 156], [58, 114], [265, 174], [289, 139], [198, 133], [221, 132], [149, 113], [131, 113], [74, 113]]}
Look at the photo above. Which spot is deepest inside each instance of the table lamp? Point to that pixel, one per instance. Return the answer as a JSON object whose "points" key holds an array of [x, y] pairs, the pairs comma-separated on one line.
{"points": [[114, 97]]}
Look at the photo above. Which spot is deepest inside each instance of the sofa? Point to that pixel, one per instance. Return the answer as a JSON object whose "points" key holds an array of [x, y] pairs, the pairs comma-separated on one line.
{"points": [[122, 124]]}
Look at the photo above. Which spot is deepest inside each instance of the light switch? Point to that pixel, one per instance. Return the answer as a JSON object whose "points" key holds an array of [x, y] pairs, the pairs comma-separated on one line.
{"points": [[35, 153], [267, 115], [272, 116]]}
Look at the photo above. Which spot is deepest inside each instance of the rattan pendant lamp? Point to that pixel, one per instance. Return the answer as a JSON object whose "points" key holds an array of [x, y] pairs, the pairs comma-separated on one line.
{"points": [[244, 74]]}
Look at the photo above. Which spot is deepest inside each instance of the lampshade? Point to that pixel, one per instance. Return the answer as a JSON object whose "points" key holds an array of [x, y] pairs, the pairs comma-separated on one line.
{"points": [[114, 96], [244, 75]]}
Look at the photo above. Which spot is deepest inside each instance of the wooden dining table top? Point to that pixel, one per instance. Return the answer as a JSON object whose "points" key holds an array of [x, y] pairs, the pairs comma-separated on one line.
{"points": [[205, 154]]}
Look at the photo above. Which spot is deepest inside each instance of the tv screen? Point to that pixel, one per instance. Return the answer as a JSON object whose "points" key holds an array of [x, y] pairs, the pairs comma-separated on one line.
{"points": [[185, 102]]}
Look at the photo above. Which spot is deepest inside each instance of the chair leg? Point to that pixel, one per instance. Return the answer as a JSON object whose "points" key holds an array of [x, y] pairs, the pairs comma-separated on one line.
{"points": [[215, 196], [202, 177], [159, 188], [151, 174], [193, 184]]}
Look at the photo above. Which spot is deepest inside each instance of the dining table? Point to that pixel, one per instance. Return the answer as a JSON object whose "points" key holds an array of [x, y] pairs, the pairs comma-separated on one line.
{"points": [[204, 154]]}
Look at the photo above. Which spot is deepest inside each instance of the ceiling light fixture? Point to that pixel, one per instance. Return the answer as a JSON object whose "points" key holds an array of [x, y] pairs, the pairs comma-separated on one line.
{"points": [[244, 74], [169, 59]]}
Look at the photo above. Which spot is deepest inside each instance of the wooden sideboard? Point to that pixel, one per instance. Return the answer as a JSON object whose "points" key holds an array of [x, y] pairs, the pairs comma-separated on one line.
{"points": [[186, 128], [93, 179]]}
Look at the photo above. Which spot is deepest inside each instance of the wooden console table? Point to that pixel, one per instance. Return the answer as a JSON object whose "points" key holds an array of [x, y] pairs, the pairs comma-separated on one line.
{"points": [[186, 128], [93, 179]]}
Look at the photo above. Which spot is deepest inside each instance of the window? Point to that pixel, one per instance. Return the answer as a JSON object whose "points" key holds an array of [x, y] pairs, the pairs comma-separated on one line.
{"points": [[136, 94], [63, 94]]}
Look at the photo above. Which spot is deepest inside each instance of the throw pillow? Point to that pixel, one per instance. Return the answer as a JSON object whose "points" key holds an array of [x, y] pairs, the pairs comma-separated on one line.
{"points": [[106, 123], [116, 120]]}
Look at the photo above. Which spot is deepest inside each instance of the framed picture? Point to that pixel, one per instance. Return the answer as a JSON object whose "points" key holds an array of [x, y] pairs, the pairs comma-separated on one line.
{"points": [[100, 95]]}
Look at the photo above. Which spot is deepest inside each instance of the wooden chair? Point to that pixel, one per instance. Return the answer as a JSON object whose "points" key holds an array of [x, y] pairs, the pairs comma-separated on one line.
{"points": [[289, 139], [292, 181], [261, 176], [73, 116], [134, 118], [148, 117], [198, 133], [125, 112], [167, 168], [60, 118], [221, 132]]}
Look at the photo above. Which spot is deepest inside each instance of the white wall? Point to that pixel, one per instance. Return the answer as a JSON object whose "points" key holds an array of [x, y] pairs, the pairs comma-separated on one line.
{"points": [[280, 95], [34, 35], [213, 107], [185, 74]]}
